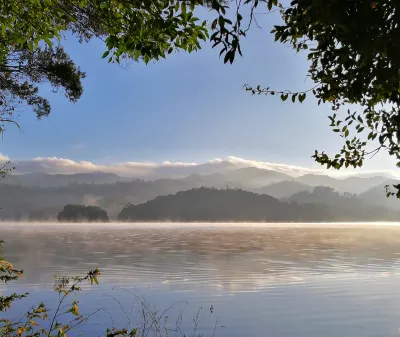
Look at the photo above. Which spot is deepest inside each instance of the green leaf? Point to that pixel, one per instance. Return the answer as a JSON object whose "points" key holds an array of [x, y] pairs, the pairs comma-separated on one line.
{"points": [[48, 42]]}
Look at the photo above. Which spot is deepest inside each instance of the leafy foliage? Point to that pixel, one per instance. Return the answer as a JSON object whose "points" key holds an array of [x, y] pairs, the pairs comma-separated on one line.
{"points": [[31, 49], [34, 322], [353, 53], [229, 26], [150, 30], [28, 58], [22, 70], [8, 273], [41, 321]]}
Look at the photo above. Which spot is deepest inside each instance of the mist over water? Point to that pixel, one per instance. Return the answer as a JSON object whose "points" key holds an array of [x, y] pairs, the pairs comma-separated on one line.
{"points": [[262, 279], [34, 226]]}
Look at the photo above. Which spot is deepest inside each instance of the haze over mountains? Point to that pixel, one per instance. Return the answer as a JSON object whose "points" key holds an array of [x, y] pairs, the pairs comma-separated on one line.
{"points": [[58, 180], [248, 177], [42, 195]]}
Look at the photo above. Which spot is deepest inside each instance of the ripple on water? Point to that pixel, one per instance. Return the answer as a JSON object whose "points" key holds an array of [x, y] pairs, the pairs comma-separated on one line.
{"points": [[340, 280]]}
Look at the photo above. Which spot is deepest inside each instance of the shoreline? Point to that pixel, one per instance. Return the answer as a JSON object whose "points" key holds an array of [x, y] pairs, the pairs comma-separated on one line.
{"points": [[194, 225]]}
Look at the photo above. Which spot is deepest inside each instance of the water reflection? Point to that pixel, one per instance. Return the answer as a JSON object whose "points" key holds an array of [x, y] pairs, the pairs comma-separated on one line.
{"points": [[236, 259]]}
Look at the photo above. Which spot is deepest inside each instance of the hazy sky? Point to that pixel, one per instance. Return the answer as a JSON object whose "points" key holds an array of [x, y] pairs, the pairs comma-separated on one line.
{"points": [[188, 108]]}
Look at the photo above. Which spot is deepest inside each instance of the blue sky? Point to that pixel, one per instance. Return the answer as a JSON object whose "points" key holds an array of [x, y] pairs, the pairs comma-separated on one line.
{"points": [[190, 108]]}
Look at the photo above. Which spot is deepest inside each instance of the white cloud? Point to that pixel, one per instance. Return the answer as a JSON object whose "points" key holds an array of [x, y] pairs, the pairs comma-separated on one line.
{"points": [[165, 169], [54, 165]]}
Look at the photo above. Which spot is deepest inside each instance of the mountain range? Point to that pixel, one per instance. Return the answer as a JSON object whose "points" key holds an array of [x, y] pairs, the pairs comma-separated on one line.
{"points": [[41, 195], [249, 177], [57, 180]]}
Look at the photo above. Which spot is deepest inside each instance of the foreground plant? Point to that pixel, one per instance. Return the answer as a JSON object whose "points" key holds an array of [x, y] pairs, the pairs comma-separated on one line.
{"points": [[33, 323], [41, 321]]}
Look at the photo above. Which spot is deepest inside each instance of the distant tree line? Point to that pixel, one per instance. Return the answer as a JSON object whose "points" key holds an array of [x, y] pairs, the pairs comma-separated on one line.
{"points": [[197, 204], [211, 204]]}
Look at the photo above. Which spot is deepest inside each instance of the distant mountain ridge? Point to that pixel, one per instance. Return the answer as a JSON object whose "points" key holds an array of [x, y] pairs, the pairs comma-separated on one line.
{"points": [[351, 184], [249, 177], [42, 195], [377, 196], [55, 180], [283, 189]]}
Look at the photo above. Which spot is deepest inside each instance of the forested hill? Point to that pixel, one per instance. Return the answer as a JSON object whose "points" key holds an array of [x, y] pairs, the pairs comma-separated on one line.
{"points": [[210, 204]]}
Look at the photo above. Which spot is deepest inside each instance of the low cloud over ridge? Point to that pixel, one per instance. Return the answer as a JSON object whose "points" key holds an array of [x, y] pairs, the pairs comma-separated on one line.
{"points": [[166, 169]]}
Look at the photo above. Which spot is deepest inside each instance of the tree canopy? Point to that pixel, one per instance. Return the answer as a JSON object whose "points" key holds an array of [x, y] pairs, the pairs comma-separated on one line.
{"points": [[31, 34], [353, 49], [353, 53], [75, 213]]}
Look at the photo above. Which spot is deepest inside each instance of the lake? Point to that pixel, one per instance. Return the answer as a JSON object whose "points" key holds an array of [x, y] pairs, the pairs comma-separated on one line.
{"points": [[237, 279]]}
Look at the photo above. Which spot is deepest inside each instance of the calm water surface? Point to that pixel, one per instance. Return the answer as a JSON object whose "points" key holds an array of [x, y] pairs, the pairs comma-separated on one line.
{"points": [[260, 280]]}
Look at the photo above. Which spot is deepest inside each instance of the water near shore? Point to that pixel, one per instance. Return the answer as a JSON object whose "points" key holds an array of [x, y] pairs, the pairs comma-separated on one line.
{"points": [[261, 280]]}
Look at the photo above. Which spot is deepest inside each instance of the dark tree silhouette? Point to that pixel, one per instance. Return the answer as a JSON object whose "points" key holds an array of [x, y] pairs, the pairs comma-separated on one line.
{"points": [[76, 213], [214, 205]]}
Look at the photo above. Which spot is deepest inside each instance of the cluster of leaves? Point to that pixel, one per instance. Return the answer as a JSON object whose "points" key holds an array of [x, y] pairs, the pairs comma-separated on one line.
{"points": [[28, 58], [31, 39], [228, 30], [353, 53], [22, 70], [150, 30], [40, 321], [33, 322], [8, 273], [31, 49], [136, 29]]}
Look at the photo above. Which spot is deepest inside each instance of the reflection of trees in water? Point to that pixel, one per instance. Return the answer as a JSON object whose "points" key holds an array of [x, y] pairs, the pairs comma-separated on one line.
{"points": [[220, 256]]}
